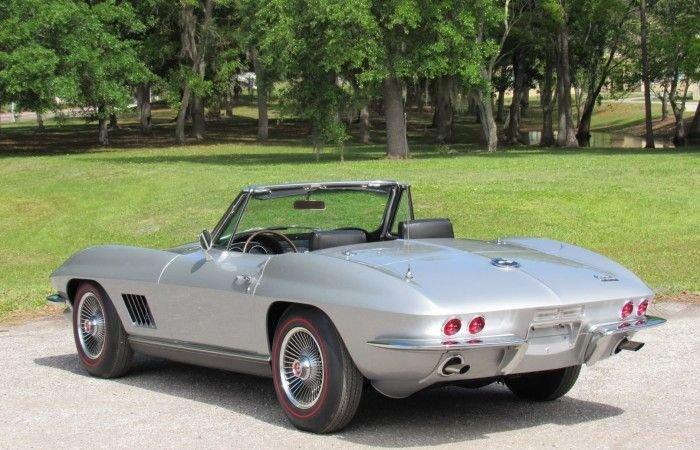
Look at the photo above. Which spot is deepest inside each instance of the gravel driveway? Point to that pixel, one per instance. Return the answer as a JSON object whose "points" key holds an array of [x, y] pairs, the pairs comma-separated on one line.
{"points": [[644, 399]]}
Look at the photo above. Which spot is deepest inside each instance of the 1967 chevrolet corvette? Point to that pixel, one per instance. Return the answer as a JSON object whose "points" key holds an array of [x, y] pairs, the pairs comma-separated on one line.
{"points": [[327, 287]]}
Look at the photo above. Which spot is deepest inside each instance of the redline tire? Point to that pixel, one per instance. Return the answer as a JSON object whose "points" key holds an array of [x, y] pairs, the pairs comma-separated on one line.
{"points": [[114, 356], [544, 386], [336, 402]]}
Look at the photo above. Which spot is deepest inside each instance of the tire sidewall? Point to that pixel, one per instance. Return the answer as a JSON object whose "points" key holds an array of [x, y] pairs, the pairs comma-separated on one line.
{"points": [[321, 413]]}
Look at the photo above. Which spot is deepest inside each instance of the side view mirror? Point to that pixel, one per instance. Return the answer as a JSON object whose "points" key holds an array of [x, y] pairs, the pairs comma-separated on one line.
{"points": [[205, 240]]}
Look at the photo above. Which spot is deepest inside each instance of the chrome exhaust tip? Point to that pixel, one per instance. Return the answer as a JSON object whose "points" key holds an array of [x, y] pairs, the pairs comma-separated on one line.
{"points": [[626, 344], [454, 365]]}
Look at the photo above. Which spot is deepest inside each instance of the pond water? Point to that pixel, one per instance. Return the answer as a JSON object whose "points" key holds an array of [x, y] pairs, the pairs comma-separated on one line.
{"points": [[604, 140]]}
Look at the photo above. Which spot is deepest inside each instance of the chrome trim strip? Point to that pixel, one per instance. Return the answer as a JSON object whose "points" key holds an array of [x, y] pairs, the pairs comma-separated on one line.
{"points": [[199, 348], [509, 340], [627, 326], [321, 184], [165, 267]]}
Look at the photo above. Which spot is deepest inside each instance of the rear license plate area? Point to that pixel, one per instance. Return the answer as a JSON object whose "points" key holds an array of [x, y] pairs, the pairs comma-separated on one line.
{"points": [[551, 339]]}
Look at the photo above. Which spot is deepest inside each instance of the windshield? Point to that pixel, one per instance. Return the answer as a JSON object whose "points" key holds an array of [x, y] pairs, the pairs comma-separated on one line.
{"points": [[322, 209]]}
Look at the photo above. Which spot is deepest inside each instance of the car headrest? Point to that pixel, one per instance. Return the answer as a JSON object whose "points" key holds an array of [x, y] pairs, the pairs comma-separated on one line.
{"points": [[336, 238], [426, 228]]}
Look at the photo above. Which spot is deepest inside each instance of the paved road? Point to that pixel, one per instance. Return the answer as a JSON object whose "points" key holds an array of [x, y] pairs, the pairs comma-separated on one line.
{"points": [[644, 399]]}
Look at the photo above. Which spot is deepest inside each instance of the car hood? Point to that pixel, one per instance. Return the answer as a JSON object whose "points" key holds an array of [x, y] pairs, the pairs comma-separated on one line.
{"points": [[450, 272]]}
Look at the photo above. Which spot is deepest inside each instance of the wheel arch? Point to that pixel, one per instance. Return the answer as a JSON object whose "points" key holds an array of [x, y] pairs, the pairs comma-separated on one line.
{"points": [[73, 285], [277, 309]]}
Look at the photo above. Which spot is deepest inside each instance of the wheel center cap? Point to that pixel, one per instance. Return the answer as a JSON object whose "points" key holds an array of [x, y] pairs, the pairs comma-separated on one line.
{"points": [[301, 368], [87, 326]]}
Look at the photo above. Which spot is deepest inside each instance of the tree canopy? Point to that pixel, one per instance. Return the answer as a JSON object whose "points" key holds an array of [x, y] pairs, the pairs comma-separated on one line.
{"points": [[332, 63]]}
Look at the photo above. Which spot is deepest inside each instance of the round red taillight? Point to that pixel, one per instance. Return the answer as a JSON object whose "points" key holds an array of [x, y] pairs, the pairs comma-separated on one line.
{"points": [[477, 324], [642, 308], [451, 327], [627, 309]]}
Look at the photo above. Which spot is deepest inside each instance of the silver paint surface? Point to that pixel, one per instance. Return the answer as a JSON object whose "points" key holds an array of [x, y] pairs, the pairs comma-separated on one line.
{"points": [[549, 304]]}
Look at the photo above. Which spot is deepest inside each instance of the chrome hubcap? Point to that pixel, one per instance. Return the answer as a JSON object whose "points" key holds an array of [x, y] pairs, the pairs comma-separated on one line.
{"points": [[301, 368], [91, 325]]}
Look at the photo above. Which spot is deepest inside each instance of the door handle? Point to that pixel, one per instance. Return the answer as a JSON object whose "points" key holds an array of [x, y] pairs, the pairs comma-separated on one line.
{"points": [[244, 279]]}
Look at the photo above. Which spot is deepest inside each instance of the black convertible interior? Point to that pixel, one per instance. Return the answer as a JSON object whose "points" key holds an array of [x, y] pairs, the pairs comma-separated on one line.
{"points": [[272, 242]]}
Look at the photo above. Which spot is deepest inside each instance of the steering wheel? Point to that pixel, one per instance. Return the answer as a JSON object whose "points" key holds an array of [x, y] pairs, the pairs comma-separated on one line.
{"points": [[280, 235]]}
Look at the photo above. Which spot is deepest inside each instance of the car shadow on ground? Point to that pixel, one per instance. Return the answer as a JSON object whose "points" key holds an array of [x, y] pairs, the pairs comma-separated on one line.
{"points": [[431, 417]]}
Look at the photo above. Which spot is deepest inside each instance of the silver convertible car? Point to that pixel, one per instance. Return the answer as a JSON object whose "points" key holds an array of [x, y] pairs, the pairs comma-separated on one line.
{"points": [[330, 287]]}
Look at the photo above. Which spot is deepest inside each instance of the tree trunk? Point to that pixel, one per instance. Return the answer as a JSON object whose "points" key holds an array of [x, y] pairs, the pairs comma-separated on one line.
{"points": [[262, 96], [396, 140], [500, 102], [364, 125], [694, 132], [426, 96], [566, 136], [182, 116], [263, 128], [513, 128], [40, 121], [485, 114], [664, 104], [200, 55], [678, 107], [546, 91], [229, 106], [649, 134], [444, 110], [215, 108], [188, 43], [583, 134], [525, 96], [102, 126], [143, 100], [679, 127], [113, 122], [198, 125]]}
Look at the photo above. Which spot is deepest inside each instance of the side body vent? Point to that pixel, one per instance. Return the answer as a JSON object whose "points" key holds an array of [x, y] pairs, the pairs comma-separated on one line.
{"points": [[139, 311]]}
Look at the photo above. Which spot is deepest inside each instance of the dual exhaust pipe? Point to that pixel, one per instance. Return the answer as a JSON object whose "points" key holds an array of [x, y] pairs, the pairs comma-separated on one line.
{"points": [[626, 344], [454, 365]]}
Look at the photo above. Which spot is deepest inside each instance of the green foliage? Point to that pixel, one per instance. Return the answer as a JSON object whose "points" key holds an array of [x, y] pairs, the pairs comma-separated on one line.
{"points": [[674, 39], [77, 51], [28, 64]]}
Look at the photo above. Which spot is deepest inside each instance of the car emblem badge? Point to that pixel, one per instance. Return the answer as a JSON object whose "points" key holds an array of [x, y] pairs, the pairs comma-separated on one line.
{"points": [[605, 277], [296, 369], [504, 263]]}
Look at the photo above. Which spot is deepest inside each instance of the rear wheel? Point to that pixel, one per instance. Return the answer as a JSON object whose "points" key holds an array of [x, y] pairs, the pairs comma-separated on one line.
{"points": [[544, 386], [316, 381], [99, 335]]}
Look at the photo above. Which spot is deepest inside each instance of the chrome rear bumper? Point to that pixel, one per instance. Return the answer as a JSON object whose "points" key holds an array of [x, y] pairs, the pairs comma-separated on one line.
{"points": [[510, 340], [497, 356], [627, 326]]}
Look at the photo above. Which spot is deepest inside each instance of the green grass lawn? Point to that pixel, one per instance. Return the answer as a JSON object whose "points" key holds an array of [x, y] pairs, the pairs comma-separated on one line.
{"points": [[639, 207]]}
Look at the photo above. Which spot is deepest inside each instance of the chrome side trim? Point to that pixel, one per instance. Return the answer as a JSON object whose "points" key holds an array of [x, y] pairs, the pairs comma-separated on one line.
{"points": [[203, 355], [165, 267], [509, 340], [627, 326]]}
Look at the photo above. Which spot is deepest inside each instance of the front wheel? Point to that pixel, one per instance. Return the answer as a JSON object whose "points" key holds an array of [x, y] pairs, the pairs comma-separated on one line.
{"points": [[544, 386], [316, 381], [99, 335]]}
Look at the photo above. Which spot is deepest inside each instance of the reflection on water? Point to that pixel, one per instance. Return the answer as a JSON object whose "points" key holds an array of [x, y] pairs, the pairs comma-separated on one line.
{"points": [[599, 139]]}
